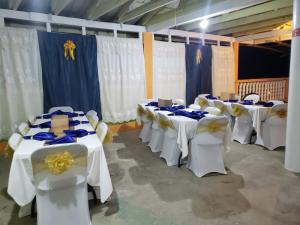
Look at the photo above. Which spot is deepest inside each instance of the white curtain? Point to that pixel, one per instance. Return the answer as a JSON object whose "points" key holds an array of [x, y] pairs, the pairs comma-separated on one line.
{"points": [[222, 69], [169, 72], [21, 93], [121, 71]]}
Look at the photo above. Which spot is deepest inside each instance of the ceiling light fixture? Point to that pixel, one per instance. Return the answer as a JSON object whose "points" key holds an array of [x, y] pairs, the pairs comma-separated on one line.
{"points": [[203, 24]]}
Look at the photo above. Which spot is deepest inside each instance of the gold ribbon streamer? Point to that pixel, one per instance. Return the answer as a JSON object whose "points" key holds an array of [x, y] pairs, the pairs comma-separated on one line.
{"points": [[163, 123], [149, 115], [281, 113], [212, 127], [108, 137], [69, 48]]}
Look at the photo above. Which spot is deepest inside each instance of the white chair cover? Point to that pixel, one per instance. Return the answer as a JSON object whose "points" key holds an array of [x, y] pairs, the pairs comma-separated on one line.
{"points": [[243, 126], [14, 141], [157, 134], [102, 130], [62, 197], [200, 102], [213, 110], [93, 120], [254, 97], [31, 119], [274, 127], [224, 112], [179, 101], [23, 128], [91, 113], [207, 146], [62, 108], [170, 150], [145, 133]]}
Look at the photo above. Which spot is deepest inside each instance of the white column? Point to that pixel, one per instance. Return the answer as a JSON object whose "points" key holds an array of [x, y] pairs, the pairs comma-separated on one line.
{"points": [[292, 152]]}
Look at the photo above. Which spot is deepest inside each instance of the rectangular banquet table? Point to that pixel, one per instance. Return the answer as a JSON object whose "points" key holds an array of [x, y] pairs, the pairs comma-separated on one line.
{"points": [[186, 128], [20, 186]]}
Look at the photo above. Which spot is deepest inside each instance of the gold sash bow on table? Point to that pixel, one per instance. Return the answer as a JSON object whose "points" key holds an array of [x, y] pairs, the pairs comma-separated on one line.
{"points": [[202, 102], [58, 163], [237, 111], [212, 127]]}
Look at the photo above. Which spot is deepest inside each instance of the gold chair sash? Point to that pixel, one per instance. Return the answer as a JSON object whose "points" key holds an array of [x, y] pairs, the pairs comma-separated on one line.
{"points": [[149, 116], [202, 102], [281, 113], [237, 111], [108, 137], [222, 108], [212, 127], [140, 111], [59, 163], [164, 124]]}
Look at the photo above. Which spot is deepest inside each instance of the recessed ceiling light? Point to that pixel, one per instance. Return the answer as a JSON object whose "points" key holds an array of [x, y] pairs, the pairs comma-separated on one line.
{"points": [[203, 24]]}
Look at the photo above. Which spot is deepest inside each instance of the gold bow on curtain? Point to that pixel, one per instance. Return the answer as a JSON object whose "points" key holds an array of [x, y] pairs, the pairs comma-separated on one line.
{"points": [[237, 111], [202, 102], [281, 113], [58, 163], [140, 111], [69, 48], [212, 127], [164, 123]]}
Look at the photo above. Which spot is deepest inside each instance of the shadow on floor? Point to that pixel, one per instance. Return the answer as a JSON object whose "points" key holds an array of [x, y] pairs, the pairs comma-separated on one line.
{"points": [[210, 196]]}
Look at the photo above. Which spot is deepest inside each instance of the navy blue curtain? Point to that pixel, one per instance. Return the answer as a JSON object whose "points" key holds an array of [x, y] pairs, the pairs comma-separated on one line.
{"points": [[198, 71], [66, 81]]}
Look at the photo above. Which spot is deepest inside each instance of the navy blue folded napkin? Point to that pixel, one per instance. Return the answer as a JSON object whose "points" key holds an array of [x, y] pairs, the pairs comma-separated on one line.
{"points": [[265, 104], [197, 115], [61, 140], [42, 125], [152, 104], [247, 102], [232, 100], [78, 133], [73, 123], [171, 108], [211, 97], [41, 136], [59, 112]]}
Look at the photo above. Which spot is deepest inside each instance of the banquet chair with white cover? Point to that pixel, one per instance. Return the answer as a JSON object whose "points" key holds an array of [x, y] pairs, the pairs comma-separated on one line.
{"points": [[23, 128], [213, 110], [31, 120], [170, 150], [91, 113], [252, 96], [179, 101], [145, 133], [273, 129], [200, 103], [243, 127], [14, 141], [224, 111], [93, 120], [61, 108], [60, 178], [157, 133], [207, 146], [102, 130]]}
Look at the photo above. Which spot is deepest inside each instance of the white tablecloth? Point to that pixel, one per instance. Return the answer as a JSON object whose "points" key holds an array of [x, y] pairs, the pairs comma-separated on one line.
{"points": [[186, 127], [20, 186]]}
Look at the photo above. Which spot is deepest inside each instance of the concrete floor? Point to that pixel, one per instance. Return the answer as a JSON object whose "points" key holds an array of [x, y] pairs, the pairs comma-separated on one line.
{"points": [[256, 191]]}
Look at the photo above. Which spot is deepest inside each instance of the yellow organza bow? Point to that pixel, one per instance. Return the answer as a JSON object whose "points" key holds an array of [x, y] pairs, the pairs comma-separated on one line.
{"points": [[202, 102], [212, 127], [237, 111], [59, 163], [281, 113], [222, 108], [69, 48], [149, 116], [140, 111], [164, 124]]}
